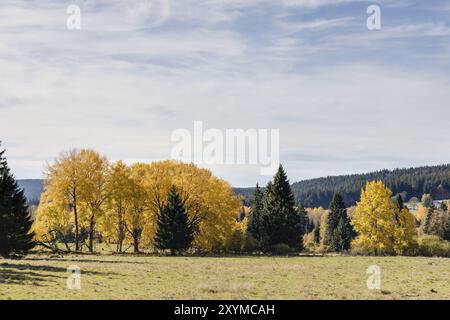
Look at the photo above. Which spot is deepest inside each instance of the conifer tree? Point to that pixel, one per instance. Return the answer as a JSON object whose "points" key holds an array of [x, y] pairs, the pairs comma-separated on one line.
{"points": [[175, 231], [400, 203], [317, 234], [15, 220], [428, 218], [254, 220], [339, 232], [447, 229], [281, 223], [443, 206]]}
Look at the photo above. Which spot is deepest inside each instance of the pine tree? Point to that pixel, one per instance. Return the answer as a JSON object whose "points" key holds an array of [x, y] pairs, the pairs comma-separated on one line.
{"points": [[175, 231], [254, 220], [428, 218], [281, 223], [341, 237], [400, 203], [15, 220], [317, 234], [447, 229], [443, 206], [427, 200], [339, 232]]}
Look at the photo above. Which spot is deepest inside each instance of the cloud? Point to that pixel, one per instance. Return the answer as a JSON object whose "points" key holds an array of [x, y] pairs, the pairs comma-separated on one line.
{"points": [[122, 87]]}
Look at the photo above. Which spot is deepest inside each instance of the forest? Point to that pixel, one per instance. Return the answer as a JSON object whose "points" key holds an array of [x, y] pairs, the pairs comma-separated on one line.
{"points": [[410, 183]]}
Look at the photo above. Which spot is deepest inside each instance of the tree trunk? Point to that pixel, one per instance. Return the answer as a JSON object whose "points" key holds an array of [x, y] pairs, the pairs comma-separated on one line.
{"points": [[91, 234], [136, 235], [75, 211], [121, 232]]}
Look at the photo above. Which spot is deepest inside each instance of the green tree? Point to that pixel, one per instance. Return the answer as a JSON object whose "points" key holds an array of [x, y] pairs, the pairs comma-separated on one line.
{"points": [[175, 232], [429, 218], [254, 220], [342, 236], [15, 221], [400, 202], [317, 234], [281, 223], [443, 206], [338, 237], [427, 200], [447, 229]]}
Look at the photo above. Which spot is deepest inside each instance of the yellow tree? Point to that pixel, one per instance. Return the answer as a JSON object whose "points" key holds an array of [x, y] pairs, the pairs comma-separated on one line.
{"points": [[63, 183], [137, 219], [119, 185], [94, 192], [381, 226], [210, 202]]}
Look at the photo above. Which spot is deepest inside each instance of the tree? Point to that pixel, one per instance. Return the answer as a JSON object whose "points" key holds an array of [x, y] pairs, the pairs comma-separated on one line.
{"points": [[119, 189], [427, 200], [63, 185], [175, 231], [317, 234], [15, 221], [341, 237], [447, 229], [443, 206], [429, 218], [338, 237], [281, 223], [94, 192], [399, 202], [374, 220], [210, 202], [254, 220]]}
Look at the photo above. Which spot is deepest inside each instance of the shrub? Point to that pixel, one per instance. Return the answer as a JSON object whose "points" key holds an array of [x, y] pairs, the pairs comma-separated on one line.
{"points": [[281, 249], [250, 244], [433, 246]]}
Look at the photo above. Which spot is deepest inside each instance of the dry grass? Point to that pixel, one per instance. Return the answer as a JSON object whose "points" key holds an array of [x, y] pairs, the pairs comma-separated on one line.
{"points": [[146, 277]]}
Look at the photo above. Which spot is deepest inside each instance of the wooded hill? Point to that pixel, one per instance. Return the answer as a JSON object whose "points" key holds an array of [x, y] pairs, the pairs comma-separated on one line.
{"points": [[411, 182]]}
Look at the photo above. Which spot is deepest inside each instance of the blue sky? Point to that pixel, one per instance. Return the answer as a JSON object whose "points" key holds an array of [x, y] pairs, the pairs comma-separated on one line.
{"points": [[344, 98]]}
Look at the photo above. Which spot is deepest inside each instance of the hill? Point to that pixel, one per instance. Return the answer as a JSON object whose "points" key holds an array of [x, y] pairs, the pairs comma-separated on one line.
{"points": [[411, 182], [32, 188]]}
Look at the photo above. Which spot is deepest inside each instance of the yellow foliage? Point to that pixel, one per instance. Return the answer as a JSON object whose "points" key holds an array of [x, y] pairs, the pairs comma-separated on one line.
{"points": [[381, 226]]}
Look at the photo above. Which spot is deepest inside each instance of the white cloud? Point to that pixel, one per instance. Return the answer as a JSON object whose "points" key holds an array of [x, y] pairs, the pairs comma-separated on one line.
{"points": [[123, 92]]}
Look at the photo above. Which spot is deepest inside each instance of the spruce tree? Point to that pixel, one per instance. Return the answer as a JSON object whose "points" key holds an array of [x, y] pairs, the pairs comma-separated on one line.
{"points": [[317, 234], [339, 232], [254, 220], [400, 203], [447, 229], [443, 206], [175, 232], [428, 218], [281, 223], [15, 220]]}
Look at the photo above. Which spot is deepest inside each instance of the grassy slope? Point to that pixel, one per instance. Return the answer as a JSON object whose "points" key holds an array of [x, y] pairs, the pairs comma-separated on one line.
{"points": [[130, 277]]}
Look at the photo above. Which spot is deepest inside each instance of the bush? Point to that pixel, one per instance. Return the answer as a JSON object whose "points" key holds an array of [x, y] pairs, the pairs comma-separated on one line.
{"points": [[281, 249], [433, 246], [250, 243]]}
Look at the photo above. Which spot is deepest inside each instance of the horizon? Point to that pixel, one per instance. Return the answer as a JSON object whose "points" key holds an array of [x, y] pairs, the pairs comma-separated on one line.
{"points": [[296, 181]]}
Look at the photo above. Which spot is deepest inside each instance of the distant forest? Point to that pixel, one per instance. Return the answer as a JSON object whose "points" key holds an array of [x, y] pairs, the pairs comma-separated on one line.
{"points": [[412, 182]]}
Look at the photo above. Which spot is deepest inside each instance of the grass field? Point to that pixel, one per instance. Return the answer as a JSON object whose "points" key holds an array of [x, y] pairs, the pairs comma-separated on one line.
{"points": [[149, 277]]}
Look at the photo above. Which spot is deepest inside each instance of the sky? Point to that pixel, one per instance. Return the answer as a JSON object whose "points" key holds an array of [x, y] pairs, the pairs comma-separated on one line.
{"points": [[344, 98]]}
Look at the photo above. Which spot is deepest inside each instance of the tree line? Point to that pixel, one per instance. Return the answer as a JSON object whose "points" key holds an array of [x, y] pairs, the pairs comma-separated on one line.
{"points": [[411, 182], [175, 207]]}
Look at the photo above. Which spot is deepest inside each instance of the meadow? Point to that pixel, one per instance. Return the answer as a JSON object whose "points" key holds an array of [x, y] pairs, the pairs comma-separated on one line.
{"points": [[44, 276]]}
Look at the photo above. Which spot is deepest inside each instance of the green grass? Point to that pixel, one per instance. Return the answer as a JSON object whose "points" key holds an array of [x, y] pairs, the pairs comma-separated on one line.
{"points": [[150, 277]]}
